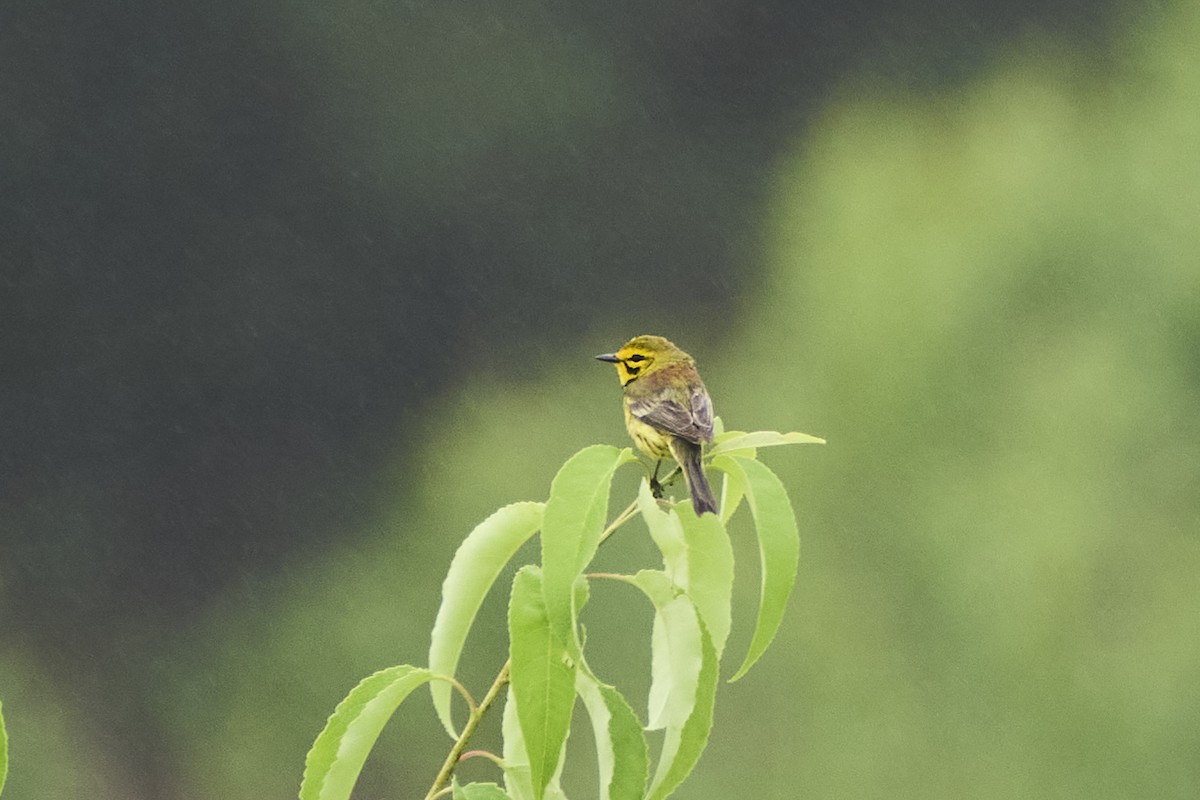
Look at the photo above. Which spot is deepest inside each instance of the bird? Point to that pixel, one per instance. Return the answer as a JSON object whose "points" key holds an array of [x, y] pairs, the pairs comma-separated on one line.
{"points": [[668, 412]]}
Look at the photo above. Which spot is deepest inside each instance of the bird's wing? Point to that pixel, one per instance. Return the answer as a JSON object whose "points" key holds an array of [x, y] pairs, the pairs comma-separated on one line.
{"points": [[661, 411], [702, 413]]}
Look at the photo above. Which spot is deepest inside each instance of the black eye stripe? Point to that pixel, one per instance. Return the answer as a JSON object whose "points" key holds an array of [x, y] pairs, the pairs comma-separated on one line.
{"points": [[636, 357]]}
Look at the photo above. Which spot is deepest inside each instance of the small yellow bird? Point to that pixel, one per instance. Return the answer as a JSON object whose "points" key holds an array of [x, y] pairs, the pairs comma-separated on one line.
{"points": [[667, 409]]}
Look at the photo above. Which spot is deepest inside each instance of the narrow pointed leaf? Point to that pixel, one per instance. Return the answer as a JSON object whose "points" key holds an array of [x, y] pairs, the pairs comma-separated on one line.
{"points": [[339, 752], [779, 548], [732, 493], [675, 650], [675, 653], [517, 780], [621, 752], [683, 745], [697, 557], [543, 678], [473, 571], [709, 571], [750, 441], [667, 533], [574, 519]]}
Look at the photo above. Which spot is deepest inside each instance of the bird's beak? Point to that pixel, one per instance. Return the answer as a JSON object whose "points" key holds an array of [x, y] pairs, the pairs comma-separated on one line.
{"points": [[609, 357]]}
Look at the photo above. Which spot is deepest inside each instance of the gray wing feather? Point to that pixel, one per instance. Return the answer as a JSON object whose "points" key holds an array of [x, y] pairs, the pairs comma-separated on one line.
{"points": [[693, 423], [702, 414]]}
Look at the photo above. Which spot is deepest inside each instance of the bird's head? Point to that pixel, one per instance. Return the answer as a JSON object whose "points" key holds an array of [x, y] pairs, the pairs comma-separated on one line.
{"points": [[642, 355]]}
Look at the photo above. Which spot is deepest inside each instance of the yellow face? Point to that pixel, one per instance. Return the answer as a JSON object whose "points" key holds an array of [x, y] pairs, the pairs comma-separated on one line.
{"points": [[640, 354]]}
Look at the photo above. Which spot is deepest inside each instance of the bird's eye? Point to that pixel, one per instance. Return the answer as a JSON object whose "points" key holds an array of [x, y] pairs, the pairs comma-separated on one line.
{"points": [[636, 357]]}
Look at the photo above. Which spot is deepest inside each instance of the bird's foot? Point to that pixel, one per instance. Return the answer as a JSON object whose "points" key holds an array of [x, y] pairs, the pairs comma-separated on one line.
{"points": [[656, 489]]}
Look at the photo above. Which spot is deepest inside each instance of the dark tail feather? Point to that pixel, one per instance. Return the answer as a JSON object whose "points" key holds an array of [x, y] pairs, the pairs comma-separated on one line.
{"points": [[688, 455]]}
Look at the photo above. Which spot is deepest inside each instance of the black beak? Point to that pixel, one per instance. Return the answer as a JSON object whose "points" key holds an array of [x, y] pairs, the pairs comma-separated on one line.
{"points": [[609, 357]]}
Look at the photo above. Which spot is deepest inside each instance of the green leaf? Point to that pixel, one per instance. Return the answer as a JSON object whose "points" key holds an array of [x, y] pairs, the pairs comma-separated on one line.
{"points": [[339, 752], [574, 519], [675, 653], [473, 571], [3, 750], [655, 584], [683, 745], [709, 573], [621, 753], [779, 548], [675, 650], [517, 779], [543, 678], [697, 557], [479, 791], [732, 493], [667, 533], [736, 440]]}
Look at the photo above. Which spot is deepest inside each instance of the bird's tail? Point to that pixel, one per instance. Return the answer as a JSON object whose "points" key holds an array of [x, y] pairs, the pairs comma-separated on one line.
{"points": [[688, 455]]}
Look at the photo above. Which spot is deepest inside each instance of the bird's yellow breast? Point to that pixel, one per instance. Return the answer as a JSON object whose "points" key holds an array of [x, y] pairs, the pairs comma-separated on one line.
{"points": [[649, 439]]}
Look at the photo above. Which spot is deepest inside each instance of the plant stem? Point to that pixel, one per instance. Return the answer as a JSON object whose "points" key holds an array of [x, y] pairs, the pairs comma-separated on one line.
{"points": [[621, 519], [443, 778]]}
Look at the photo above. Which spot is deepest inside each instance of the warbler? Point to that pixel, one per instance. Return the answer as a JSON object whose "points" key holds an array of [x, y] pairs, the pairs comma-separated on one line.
{"points": [[667, 409]]}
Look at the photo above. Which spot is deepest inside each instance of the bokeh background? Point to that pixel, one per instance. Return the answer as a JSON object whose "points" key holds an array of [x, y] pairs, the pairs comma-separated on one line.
{"points": [[294, 294]]}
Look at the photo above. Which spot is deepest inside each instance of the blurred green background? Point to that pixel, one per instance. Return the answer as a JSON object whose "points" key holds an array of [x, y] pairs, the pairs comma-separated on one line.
{"points": [[293, 296]]}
